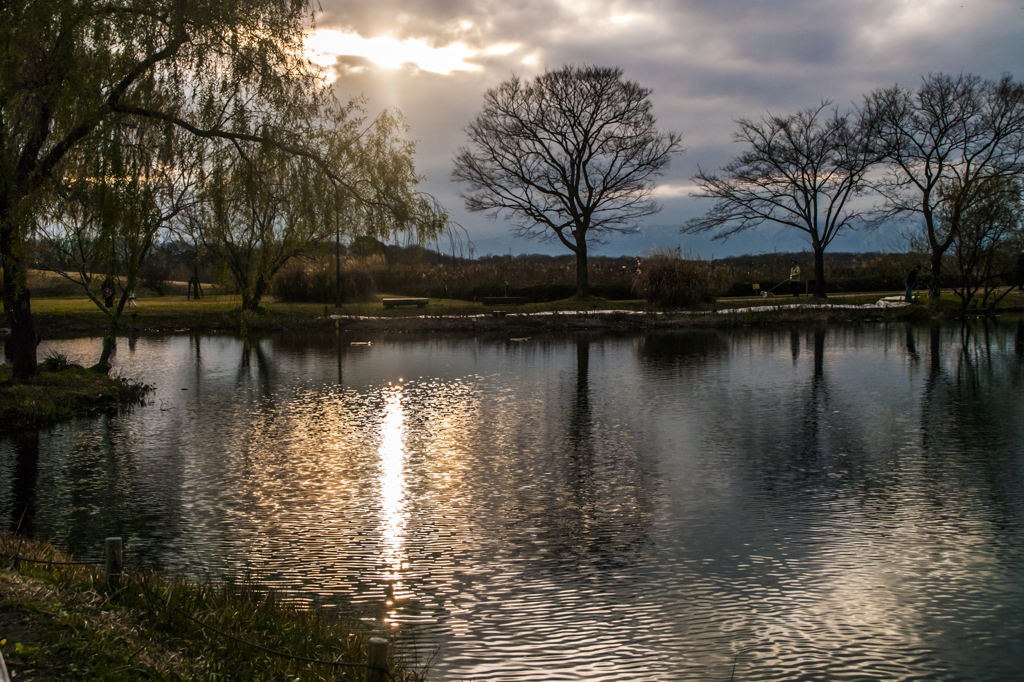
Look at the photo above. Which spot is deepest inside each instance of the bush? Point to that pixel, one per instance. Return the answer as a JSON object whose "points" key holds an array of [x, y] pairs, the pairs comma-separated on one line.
{"points": [[406, 274], [670, 281], [154, 274], [312, 280]]}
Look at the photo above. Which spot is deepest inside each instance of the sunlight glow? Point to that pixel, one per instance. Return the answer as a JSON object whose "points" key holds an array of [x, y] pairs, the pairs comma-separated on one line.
{"points": [[324, 47], [673, 191], [905, 19]]}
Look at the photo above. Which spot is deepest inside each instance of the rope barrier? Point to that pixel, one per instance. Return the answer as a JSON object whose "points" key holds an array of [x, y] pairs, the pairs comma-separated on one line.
{"points": [[15, 557]]}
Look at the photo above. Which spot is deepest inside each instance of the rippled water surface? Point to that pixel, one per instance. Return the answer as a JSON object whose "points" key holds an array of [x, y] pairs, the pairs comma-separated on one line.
{"points": [[809, 504]]}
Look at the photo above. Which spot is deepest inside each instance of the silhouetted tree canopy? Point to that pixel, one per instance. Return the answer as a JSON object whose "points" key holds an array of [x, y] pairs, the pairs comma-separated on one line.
{"points": [[950, 131], [800, 171], [572, 152]]}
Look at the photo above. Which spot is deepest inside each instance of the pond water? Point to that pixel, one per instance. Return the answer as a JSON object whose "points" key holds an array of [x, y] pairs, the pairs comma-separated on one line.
{"points": [[803, 504]]}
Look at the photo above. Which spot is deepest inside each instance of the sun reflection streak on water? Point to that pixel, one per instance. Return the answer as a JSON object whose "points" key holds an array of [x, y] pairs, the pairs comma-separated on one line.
{"points": [[394, 510]]}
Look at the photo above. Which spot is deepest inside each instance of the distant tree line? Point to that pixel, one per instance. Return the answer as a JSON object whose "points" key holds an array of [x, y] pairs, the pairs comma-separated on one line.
{"points": [[665, 278]]}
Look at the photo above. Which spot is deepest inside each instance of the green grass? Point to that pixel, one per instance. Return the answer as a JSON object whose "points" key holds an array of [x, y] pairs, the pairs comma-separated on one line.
{"points": [[77, 316], [63, 623], [67, 315], [62, 391]]}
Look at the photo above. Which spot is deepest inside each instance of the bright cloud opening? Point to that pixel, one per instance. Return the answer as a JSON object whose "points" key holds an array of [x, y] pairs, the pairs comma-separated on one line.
{"points": [[673, 191], [323, 47]]}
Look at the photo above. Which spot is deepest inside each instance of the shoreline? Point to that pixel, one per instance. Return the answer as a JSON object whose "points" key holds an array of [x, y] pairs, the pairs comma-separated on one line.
{"points": [[470, 318]]}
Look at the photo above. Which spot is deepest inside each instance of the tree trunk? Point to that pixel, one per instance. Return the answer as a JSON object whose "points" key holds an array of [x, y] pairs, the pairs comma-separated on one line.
{"points": [[337, 268], [819, 272], [935, 285], [257, 295], [582, 273], [110, 340], [109, 347], [21, 345]]}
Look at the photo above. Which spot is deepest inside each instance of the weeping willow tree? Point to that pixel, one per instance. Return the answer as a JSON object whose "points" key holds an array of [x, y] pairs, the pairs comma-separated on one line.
{"points": [[71, 70], [264, 206], [124, 189]]}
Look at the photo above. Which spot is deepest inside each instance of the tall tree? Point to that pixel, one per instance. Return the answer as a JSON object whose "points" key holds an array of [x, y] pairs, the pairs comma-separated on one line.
{"points": [[263, 212], [67, 67], [573, 152], [951, 131], [800, 171]]}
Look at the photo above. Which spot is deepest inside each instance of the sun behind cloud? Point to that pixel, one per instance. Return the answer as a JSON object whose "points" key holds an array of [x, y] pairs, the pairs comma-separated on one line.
{"points": [[325, 46]]}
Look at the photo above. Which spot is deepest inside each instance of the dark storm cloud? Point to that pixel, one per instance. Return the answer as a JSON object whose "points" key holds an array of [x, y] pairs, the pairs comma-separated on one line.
{"points": [[708, 63]]}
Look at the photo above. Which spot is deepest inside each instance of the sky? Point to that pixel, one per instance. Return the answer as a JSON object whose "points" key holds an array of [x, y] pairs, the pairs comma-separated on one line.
{"points": [[707, 62]]}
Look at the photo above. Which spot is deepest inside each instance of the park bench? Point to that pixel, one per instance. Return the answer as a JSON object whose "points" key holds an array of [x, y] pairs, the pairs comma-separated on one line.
{"points": [[504, 300], [393, 302]]}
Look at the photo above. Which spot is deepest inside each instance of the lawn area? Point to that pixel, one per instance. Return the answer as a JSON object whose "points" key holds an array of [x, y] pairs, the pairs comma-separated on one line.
{"points": [[61, 316], [65, 316]]}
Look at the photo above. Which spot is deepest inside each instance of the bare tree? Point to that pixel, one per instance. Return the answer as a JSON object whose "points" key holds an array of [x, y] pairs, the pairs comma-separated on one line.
{"points": [[951, 131], [573, 152], [801, 171], [988, 240]]}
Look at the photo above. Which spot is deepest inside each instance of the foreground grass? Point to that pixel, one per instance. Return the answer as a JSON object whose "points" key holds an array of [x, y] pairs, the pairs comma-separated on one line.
{"points": [[62, 391], [61, 622]]}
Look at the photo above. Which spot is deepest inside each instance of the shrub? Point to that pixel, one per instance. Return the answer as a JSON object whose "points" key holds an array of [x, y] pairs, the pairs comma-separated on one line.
{"points": [[665, 279], [154, 274], [312, 280]]}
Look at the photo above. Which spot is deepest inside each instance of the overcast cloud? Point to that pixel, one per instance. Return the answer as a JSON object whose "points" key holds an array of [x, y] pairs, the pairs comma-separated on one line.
{"points": [[708, 63]]}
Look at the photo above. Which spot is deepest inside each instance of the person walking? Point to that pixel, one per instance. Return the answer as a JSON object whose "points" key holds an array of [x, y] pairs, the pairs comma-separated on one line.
{"points": [[794, 279], [911, 282]]}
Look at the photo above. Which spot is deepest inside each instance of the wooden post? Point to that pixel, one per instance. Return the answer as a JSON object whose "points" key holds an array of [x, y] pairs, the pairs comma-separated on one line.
{"points": [[113, 563], [377, 660]]}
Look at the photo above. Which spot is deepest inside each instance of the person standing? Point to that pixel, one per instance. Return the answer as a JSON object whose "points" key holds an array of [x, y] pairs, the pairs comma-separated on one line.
{"points": [[108, 292], [794, 279], [911, 282]]}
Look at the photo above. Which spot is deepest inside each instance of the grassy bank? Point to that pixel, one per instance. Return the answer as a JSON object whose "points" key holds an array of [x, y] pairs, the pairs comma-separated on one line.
{"points": [[61, 622], [70, 317], [62, 391]]}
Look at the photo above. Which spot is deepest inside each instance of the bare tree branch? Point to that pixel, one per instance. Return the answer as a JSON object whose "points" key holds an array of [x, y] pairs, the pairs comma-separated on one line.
{"points": [[573, 152], [800, 171]]}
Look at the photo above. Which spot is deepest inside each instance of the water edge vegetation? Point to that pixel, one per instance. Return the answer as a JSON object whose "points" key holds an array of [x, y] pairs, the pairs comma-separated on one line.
{"points": [[60, 621]]}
